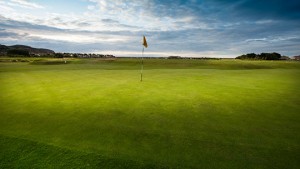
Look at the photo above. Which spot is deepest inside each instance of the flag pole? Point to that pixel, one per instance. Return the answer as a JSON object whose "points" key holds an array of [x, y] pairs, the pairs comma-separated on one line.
{"points": [[142, 64], [145, 45]]}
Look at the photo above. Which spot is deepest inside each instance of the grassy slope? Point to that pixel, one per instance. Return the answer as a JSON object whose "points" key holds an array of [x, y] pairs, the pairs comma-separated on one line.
{"points": [[202, 114]]}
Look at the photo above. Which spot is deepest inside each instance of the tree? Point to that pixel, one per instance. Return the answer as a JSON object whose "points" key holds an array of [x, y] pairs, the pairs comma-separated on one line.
{"points": [[262, 56], [58, 55], [18, 52]]}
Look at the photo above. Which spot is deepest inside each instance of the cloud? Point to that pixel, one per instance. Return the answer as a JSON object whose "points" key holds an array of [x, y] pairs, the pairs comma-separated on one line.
{"points": [[256, 40], [173, 27], [48, 33], [146, 15], [4, 7], [24, 4], [110, 21], [90, 7]]}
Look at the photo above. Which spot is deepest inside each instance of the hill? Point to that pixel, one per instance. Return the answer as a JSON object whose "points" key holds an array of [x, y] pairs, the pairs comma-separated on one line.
{"points": [[24, 50]]}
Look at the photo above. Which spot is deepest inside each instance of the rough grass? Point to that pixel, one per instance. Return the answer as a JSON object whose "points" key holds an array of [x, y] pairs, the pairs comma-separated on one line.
{"points": [[185, 114]]}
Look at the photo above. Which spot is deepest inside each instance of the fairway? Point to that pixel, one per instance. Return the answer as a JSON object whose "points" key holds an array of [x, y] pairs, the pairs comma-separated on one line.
{"points": [[93, 113]]}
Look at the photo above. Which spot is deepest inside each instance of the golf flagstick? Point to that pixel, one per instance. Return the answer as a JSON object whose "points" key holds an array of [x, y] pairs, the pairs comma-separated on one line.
{"points": [[145, 45], [142, 64]]}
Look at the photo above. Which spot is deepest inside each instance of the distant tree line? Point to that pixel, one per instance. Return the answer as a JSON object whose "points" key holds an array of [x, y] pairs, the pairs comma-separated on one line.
{"points": [[81, 55], [26, 53], [179, 57], [263, 56]]}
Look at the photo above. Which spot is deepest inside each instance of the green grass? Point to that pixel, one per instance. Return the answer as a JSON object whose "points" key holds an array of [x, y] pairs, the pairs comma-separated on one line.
{"points": [[185, 114], [20, 153]]}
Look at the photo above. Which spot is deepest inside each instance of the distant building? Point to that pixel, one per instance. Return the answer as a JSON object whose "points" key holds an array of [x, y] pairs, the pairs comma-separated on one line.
{"points": [[284, 58], [297, 57]]}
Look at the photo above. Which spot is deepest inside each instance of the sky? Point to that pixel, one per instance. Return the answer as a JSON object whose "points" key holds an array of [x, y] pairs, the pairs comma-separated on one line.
{"points": [[190, 28]]}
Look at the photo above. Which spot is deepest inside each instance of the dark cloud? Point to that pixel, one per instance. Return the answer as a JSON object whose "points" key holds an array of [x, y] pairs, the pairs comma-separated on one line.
{"points": [[273, 9], [230, 10], [116, 23], [4, 34], [6, 23], [80, 23], [110, 21], [256, 9]]}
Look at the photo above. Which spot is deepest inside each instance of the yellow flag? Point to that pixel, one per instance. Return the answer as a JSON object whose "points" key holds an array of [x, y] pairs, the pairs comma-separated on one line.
{"points": [[145, 42]]}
